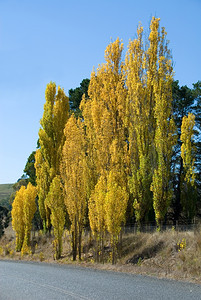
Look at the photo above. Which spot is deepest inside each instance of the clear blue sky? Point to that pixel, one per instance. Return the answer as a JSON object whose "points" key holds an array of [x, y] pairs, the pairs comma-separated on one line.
{"points": [[61, 41]]}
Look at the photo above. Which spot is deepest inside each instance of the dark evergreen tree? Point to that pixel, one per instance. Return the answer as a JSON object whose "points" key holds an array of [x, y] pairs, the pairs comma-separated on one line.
{"points": [[75, 96], [4, 219], [30, 170], [183, 103], [197, 109]]}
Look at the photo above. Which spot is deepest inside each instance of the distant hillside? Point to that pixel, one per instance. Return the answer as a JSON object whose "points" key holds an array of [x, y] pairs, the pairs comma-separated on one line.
{"points": [[5, 191]]}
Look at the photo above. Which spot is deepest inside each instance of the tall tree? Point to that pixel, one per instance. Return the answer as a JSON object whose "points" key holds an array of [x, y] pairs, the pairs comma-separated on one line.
{"points": [[104, 117], [188, 199], [23, 209], [29, 209], [43, 185], [165, 128], [30, 172], [97, 215], [75, 96], [183, 102], [197, 112], [56, 204], [187, 132], [197, 96], [17, 217], [140, 123], [115, 208], [29, 169], [4, 219], [149, 121], [74, 177], [51, 140]]}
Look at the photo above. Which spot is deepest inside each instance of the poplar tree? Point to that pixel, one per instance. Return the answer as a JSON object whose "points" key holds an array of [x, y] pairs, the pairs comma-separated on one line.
{"points": [[149, 121], [140, 123], [51, 140], [115, 208], [17, 217], [104, 117], [29, 209], [74, 177], [23, 210], [56, 204], [187, 133], [165, 137], [188, 199], [42, 180], [104, 111], [97, 215]]}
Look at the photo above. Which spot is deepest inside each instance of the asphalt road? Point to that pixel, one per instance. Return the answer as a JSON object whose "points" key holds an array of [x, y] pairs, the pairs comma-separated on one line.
{"points": [[20, 280]]}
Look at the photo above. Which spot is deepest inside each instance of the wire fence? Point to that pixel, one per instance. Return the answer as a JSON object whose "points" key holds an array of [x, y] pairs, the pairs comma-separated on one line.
{"points": [[143, 228], [150, 228]]}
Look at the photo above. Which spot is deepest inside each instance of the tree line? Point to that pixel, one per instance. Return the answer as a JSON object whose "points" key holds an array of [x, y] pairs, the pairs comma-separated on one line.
{"points": [[131, 150]]}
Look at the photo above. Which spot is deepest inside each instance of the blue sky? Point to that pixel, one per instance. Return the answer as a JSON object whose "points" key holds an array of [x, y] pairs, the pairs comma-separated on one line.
{"points": [[61, 41]]}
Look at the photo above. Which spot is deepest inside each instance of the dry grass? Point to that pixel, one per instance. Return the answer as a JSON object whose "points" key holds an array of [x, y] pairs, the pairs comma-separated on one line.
{"points": [[168, 254], [171, 254]]}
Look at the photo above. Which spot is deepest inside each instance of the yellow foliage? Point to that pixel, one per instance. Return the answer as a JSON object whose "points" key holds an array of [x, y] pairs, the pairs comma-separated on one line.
{"points": [[29, 209], [73, 169], [51, 139], [149, 120], [104, 111], [159, 83], [97, 206], [181, 245], [42, 180], [55, 202], [23, 210], [115, 203], [74, 174], [104, 115], [187, 133], [17, 217]]}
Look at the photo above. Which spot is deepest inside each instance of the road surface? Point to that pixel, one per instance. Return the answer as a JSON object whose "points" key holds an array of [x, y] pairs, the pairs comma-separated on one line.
{"points": [[27, 281]]}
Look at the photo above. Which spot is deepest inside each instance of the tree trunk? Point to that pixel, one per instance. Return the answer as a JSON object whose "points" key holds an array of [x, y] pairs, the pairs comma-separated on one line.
{"points": [[74, 241], [80, 243], [113, 249], [120, 242], [177, 209], [102, 248]]}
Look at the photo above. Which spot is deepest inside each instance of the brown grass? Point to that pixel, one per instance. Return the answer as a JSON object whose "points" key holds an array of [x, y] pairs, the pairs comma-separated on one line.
{"points": [[168, 254]]}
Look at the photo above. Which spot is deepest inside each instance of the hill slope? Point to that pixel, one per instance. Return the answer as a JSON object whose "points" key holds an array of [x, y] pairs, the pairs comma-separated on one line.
{"points": [[5, 191]]}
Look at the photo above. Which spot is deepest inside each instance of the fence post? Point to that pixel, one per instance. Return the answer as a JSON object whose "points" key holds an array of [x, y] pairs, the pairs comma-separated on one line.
{"points": [[177, 225]]}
